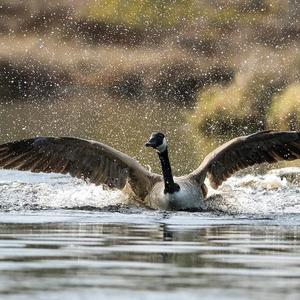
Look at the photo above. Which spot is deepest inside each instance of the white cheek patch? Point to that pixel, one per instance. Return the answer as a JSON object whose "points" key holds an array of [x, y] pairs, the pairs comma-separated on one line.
{"points": [[161, 148]]}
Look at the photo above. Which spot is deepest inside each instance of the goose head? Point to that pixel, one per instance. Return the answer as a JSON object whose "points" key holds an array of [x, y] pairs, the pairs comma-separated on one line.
{"points": [[157, 141]]}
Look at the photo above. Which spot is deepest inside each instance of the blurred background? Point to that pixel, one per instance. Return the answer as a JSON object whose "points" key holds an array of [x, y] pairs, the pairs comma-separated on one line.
{"points": [[203, 71]]}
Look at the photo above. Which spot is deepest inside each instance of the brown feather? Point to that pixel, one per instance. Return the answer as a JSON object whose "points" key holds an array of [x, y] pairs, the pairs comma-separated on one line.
{"points": [[14, 162], [242, 152], [93, 161]]}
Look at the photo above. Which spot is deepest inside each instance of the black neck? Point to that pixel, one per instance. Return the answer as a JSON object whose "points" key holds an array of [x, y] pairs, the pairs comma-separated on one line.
{"points": [[170, 185]]}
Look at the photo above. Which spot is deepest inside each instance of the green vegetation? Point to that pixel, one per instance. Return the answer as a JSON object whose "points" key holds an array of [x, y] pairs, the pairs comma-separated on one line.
{"points": [[285, 110], [239, 108], [169, 13], [143, 14]]}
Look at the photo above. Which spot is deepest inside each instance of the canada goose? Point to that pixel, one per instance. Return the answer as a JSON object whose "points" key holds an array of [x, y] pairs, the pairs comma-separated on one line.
{"points": [[101, 164]]}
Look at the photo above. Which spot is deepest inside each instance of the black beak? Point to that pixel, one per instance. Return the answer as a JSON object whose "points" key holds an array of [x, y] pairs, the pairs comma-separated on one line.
{"points": [[149, 144]]}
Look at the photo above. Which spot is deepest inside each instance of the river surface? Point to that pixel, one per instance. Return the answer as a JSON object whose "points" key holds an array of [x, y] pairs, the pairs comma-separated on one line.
{"points": [[62, 238]]}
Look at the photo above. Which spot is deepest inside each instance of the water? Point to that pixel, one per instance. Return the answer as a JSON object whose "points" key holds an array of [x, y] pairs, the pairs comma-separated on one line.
{"points": [[61, 238]]}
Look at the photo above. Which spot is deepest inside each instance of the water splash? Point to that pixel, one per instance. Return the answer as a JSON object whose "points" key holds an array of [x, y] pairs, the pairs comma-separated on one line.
{"points": [[25, 190], [277, 192]]}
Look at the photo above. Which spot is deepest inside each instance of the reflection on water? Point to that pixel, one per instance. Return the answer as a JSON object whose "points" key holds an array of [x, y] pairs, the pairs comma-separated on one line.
{"points": [[51, 248], [160, 256]]}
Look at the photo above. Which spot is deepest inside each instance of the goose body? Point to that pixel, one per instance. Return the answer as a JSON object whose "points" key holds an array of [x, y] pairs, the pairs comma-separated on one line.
{"points": [[189, 197], [99, 163]]}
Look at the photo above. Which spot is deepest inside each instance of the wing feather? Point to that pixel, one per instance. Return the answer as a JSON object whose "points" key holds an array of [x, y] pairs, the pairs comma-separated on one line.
{"points": [[242, 152], [93, 161]]}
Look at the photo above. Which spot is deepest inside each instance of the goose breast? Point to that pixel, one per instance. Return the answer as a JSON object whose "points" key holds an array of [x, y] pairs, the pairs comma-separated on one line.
{"points": [[189, 197]]}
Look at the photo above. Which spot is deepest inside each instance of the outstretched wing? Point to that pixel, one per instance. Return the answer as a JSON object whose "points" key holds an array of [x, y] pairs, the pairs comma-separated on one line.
{"points": [[245, 151], [93, 161]]}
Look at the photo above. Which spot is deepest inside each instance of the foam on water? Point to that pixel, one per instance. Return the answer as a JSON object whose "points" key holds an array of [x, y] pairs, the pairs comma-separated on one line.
{"points": [[25, 190], [276, 192]]}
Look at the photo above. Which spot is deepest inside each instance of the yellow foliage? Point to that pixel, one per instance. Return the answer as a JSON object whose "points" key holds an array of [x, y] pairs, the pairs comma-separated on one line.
{"points": [[168, 13], [284, 113], [236, 109], [155, 13]]}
